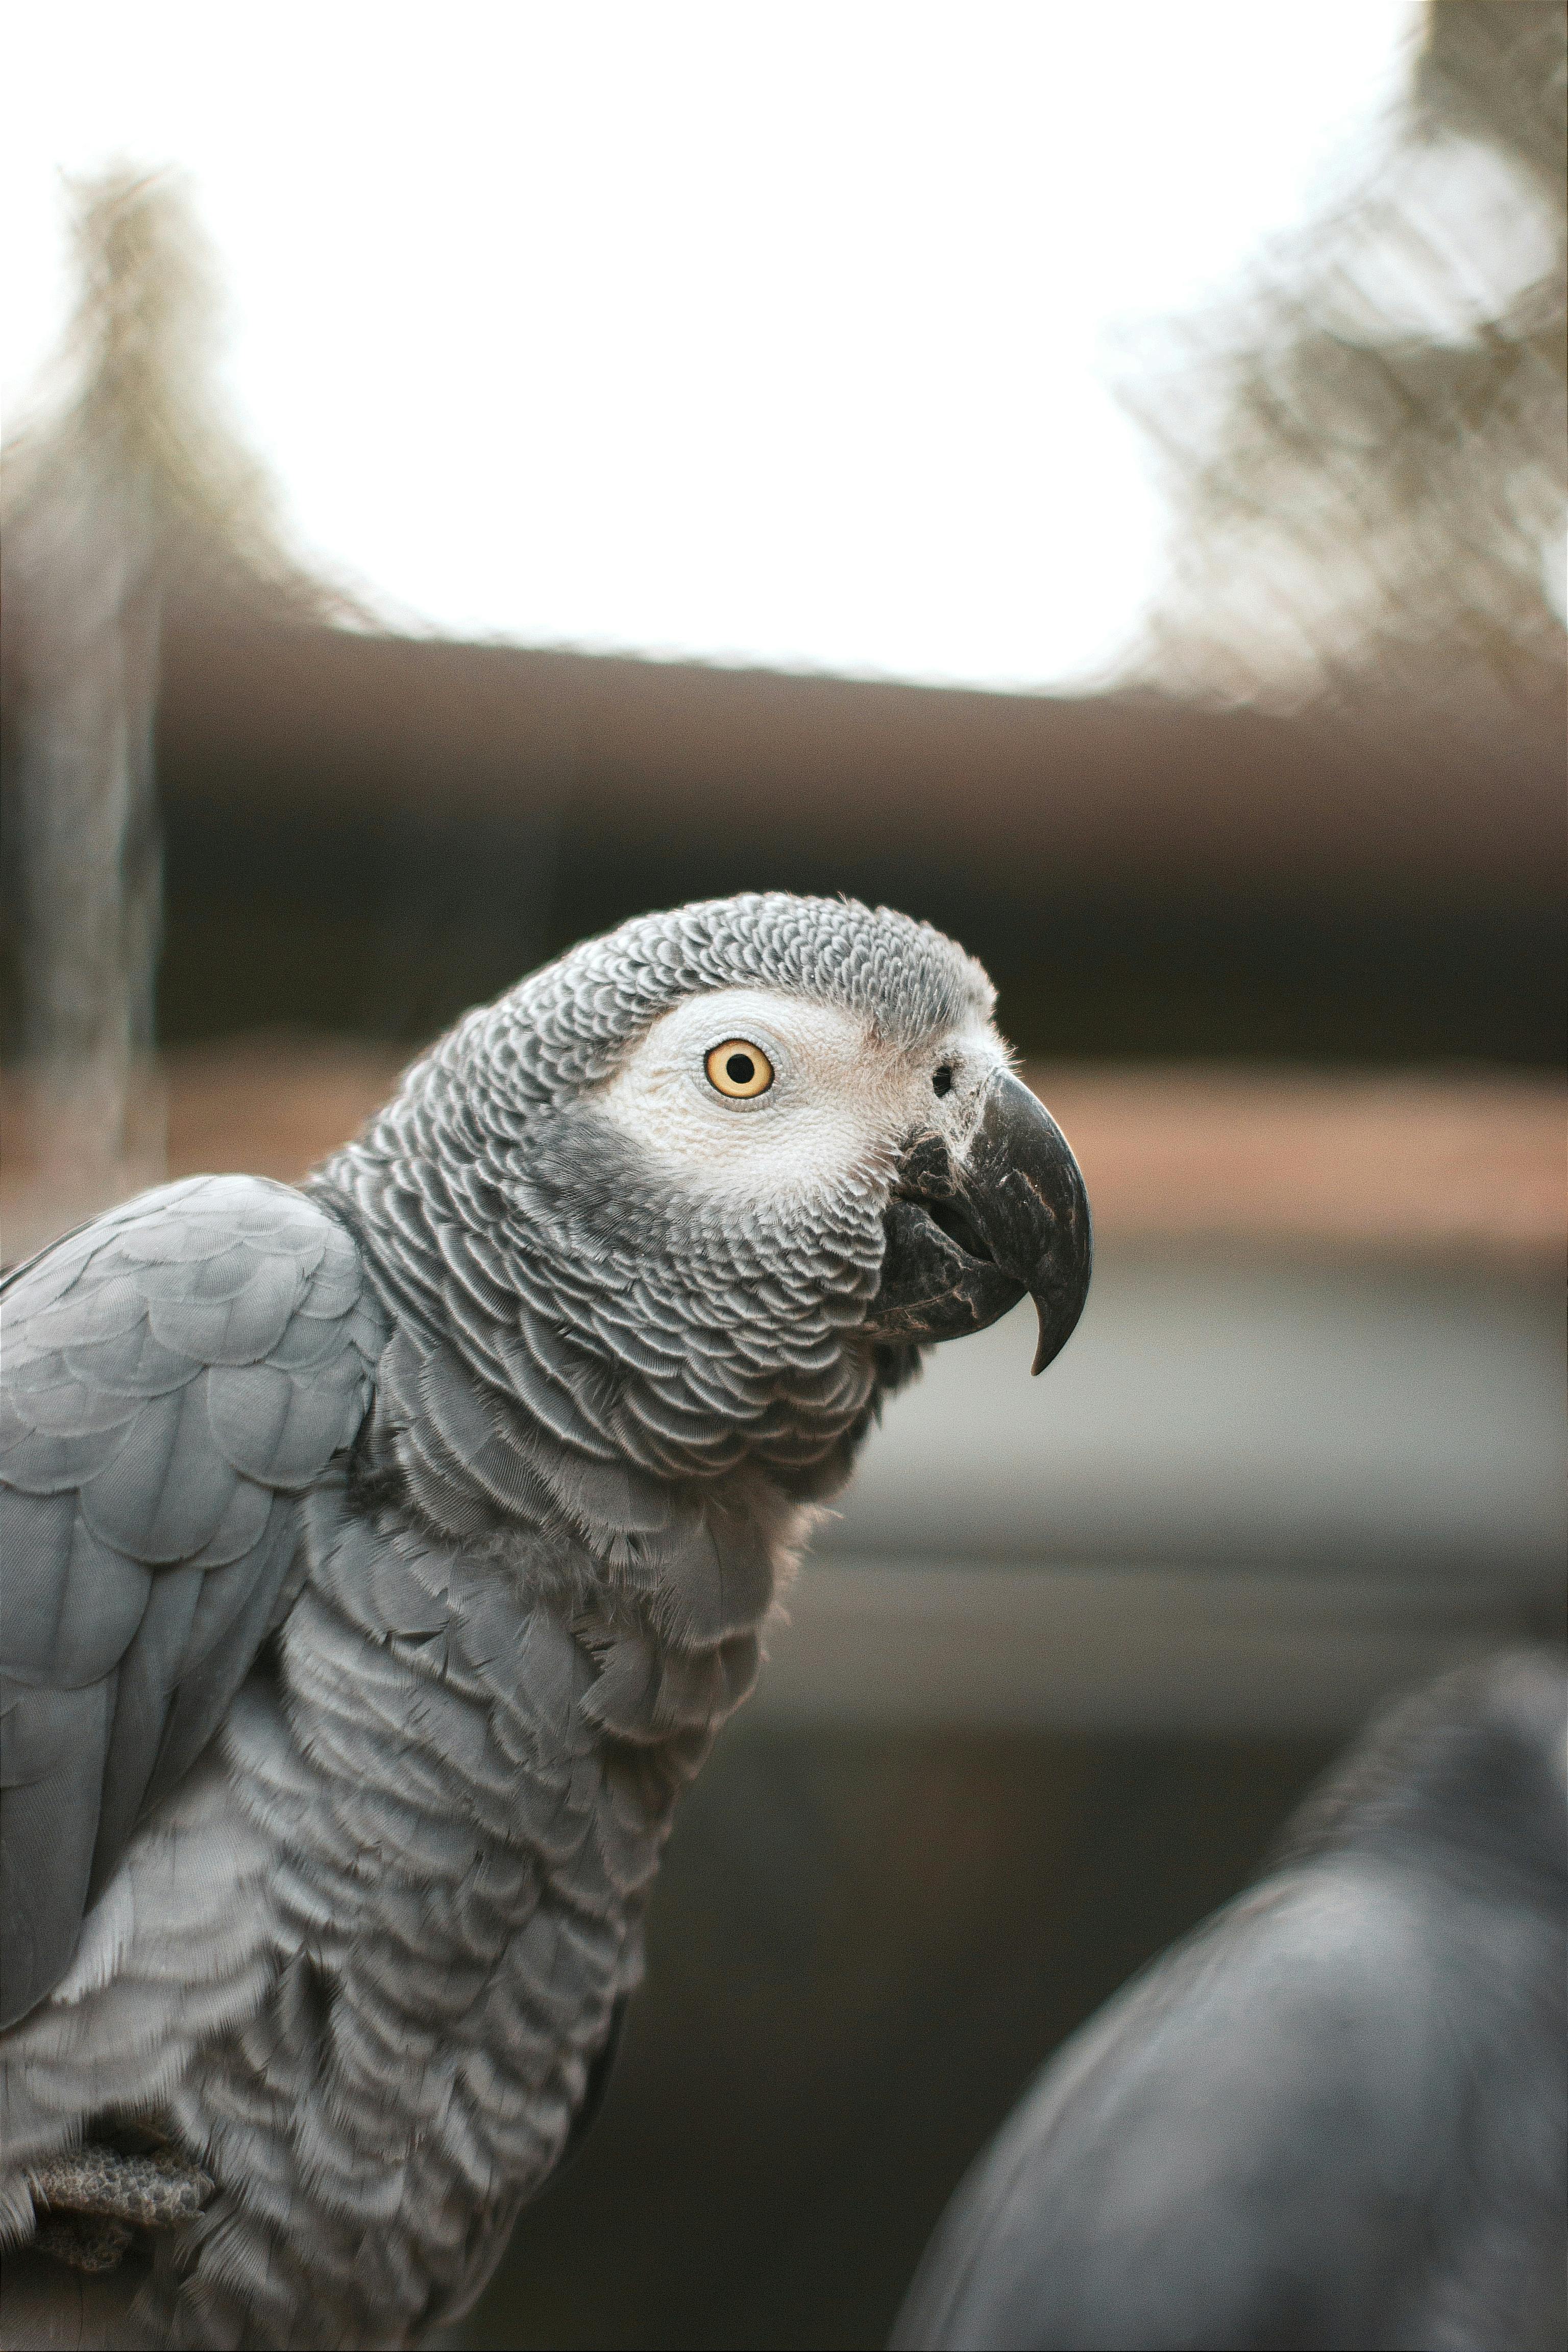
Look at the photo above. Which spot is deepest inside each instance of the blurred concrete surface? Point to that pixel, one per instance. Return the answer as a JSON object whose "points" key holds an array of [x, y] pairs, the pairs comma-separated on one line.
{"points": [[1347, 1419], [1136, 1651], [1254, 1494]]}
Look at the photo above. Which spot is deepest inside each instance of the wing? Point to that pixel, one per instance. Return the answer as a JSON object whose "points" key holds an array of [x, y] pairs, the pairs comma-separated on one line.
{"points": [[176, 1373]]}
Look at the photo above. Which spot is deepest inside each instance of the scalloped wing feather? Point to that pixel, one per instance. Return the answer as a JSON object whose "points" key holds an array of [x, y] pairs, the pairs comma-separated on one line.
{"points": [[177, 1374]]}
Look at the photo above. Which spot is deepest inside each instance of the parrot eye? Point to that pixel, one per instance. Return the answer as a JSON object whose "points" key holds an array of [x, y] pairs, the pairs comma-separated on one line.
{"points": [[739, 1068]]}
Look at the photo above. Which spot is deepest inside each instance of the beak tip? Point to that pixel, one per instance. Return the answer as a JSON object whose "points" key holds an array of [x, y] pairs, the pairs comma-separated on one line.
{"points": [[1059, 1320]]}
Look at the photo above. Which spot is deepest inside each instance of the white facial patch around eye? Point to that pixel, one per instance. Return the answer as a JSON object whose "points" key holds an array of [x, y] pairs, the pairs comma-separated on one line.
{"points": [[839, 1104]]}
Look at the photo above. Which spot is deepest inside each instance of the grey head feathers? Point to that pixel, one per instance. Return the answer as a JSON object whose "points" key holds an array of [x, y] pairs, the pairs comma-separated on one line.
{"points": [[651, 1333], [565, 1025]]}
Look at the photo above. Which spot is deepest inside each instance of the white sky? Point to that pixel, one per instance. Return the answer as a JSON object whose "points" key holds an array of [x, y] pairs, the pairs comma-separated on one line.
{"points": [[771, 333]]}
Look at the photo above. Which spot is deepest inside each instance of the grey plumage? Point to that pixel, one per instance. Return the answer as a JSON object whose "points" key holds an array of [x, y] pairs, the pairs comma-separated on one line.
{"points": [[382, 1560], [1338, 2114], [174, 1375]]}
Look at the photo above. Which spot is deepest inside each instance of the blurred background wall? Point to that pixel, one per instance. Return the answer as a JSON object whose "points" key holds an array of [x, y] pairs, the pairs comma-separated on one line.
{"points": [[1275, 913]]}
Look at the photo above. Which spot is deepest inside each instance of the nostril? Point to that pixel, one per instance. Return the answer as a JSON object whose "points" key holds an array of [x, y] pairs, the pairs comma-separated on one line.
{"points": [[942, 1084]]}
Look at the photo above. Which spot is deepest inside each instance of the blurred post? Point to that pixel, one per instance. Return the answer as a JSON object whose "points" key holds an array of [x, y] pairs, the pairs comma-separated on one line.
{"points": [[83, 599], [127, 481]]}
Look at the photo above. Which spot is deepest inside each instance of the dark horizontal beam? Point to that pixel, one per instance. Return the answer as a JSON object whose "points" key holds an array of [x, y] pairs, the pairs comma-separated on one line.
{"points": [[1460, 794]]}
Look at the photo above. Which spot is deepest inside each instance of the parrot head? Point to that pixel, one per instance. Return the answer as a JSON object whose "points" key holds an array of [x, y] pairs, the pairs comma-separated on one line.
{"points": [[749, 1159]]}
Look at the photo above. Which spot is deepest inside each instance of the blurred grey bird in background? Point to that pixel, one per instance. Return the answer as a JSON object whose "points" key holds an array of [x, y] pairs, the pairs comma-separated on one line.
{"points": [[1337, 2115], [382, 1557]]}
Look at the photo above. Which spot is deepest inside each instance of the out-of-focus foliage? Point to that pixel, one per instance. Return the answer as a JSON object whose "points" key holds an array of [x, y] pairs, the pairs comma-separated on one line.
{"points": [[1365, 448]]}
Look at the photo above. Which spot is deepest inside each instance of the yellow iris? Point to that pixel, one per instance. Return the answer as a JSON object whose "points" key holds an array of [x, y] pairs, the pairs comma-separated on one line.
{"points": [[737, 1067]]}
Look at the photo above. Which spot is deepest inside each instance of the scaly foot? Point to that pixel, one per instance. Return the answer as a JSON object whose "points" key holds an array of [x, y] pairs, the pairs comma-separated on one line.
{"points": [[94, 2198]]}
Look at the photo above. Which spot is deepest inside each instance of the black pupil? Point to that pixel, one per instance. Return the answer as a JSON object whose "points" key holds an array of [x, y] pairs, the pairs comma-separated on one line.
{"points": [[741, 1069], [942, 1082]]}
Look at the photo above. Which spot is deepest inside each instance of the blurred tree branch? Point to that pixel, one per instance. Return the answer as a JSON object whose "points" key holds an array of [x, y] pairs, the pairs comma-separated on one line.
{"points": [[1366, 449]]}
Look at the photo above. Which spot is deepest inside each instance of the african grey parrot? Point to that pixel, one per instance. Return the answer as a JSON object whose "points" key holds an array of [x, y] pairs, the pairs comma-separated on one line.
{"points": [[1337, 2116], [381, 1558]]}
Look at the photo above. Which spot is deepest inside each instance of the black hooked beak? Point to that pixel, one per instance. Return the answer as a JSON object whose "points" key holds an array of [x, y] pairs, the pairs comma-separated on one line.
{"points": [[965, 1243]]}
